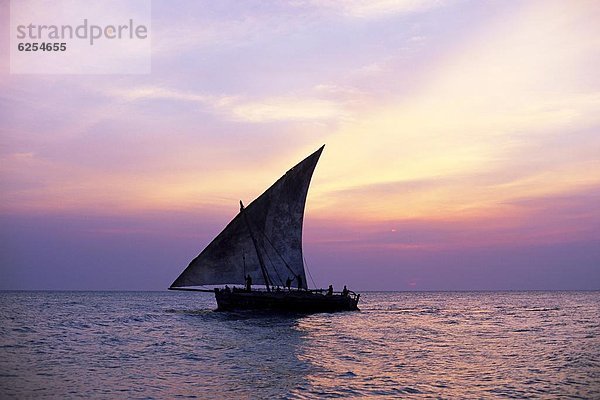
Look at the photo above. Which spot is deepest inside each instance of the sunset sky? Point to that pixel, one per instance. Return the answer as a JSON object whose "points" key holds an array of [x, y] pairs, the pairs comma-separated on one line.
{"points": [[462, 145]]}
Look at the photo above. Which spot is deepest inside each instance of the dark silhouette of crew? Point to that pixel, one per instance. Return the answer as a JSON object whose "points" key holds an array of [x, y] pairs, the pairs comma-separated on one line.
{"points": [[288, 283], [330, 290], [345, 291], [299, 278], [248, 283]]}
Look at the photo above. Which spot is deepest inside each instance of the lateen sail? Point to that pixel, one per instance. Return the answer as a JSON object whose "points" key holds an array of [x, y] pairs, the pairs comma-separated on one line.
{"points": [[275, 220]]}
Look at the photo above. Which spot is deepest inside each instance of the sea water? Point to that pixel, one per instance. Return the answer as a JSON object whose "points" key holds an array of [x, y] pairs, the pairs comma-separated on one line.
{"points": [[400, 345]]}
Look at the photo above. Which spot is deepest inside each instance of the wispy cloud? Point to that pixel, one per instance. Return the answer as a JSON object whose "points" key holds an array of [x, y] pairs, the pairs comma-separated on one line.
{"points": [[141, 93], [375, 8], [452, 127], [288, 108], [481, 111], [500, 107], [525, 221]]}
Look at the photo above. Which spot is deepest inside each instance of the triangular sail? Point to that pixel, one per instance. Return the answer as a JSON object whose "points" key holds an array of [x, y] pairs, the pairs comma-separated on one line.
{"points": [[275, 219]]}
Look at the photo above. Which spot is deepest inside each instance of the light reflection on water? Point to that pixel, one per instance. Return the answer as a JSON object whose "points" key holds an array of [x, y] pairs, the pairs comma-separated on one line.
{"points": [[401, 345]]}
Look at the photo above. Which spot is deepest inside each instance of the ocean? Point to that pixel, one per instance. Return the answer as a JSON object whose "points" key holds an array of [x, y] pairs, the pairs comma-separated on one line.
{"points": [[159, 345]]}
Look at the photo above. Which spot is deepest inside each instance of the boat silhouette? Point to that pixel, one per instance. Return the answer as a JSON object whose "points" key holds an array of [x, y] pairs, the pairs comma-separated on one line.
{"points": [[262, 246]]}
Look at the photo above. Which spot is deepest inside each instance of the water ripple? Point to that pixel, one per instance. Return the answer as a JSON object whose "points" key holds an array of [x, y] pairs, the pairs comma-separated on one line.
{"points": [[401, 345]]}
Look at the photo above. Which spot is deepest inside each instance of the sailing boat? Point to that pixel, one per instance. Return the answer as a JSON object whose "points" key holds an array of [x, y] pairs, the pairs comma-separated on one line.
{"points": [[263, 245]]}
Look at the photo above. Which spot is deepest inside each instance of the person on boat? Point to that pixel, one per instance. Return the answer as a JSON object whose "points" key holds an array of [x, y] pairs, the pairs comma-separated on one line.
{"points": [[330, 290], [227, 290], [288, 283], [248, 283], [299, 278], [345, 291]]}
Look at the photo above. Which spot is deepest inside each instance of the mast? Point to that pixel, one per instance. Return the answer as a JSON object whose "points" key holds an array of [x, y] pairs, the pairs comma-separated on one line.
{"points": [[263, 269]]}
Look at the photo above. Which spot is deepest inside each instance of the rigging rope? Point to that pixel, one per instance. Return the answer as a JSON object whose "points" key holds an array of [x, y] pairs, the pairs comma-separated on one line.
{"points": [[273, 266], [280, 256], [308, 270]]}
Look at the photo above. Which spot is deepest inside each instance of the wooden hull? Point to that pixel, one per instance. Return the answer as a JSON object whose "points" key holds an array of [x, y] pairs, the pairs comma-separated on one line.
{"points": [[292, 301]]}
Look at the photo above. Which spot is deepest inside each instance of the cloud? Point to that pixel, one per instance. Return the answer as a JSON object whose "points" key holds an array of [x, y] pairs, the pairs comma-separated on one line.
{"points": [[524, 221], [509, 105], [209, 25], [375, 8], [148, 92], [480, 110], [288, 109]]}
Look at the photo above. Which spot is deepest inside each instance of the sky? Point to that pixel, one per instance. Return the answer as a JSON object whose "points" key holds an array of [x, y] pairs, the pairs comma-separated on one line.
{"points": [[462, 145]]}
